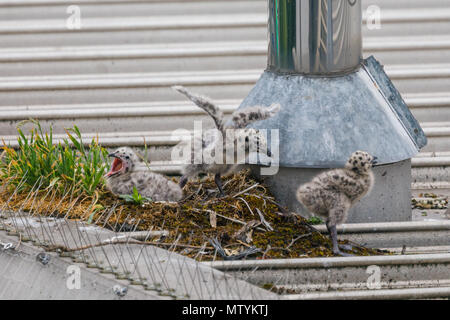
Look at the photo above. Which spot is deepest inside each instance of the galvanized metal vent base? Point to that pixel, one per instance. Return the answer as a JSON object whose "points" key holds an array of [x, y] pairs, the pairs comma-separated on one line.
{"points": [[324, 119], [390, 199]]}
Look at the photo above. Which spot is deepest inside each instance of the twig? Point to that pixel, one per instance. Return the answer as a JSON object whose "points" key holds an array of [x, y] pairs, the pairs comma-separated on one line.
{"points": [[226, 218], [213, 219], [245, 233], [298, 238], [249, 188], [264, 221], [216, 244], [193, 193], [219, 215], [244, 244], [246, 203], [143, 235], [267, 250], [226, 183]]}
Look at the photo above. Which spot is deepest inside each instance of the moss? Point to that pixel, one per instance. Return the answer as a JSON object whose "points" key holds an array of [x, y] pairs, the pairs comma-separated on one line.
{"points": [[189, 220]]}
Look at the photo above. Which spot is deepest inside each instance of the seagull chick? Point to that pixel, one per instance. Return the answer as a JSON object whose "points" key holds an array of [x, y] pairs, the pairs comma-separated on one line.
{"points": [[332, 193], [226, 137], [124, 175]]}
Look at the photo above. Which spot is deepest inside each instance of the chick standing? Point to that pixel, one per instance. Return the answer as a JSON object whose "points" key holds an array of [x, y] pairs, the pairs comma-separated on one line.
{"points": [[332, 193], [124, 175], [240, 136]]}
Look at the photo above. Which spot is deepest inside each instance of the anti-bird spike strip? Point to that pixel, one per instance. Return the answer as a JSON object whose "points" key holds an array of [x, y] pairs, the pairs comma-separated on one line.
{"points": [[132, 261], [239, 120], [89, 230]]}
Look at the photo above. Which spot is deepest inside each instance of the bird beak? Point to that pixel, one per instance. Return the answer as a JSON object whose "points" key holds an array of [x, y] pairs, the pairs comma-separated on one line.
{"points": [[374, 161], [115, 166]]}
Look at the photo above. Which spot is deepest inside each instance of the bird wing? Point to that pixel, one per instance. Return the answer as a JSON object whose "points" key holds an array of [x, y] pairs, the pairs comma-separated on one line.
{"points": [[205, 103], [243, 117]]}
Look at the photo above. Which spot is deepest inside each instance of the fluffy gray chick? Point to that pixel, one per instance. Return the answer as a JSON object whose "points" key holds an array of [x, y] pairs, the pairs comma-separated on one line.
{"points": [[332, 193], [229, 136], [124, 175]]}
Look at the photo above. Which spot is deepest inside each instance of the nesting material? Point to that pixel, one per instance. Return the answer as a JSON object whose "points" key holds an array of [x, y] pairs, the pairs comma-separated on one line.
{"points": [[246, 220]]}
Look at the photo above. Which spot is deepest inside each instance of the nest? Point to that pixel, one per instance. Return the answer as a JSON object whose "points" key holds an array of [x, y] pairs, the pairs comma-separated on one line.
{"points": [[247, 223]]}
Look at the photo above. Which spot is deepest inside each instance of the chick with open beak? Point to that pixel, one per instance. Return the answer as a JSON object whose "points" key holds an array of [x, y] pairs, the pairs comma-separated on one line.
{"points": [[127, 171], [332, 193]]}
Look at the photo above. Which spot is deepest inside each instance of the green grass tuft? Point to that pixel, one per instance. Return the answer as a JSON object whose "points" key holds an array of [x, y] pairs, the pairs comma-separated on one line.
{"points": [[65, 165], [315, 220], [135, 198]]}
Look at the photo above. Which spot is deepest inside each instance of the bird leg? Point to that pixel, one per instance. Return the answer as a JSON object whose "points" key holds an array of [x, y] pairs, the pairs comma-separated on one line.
{"points": [[219, 184], [333, 234], [183, 181]]}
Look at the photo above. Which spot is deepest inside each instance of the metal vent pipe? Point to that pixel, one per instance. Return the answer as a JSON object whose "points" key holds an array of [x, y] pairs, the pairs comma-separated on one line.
{"points": [[333, 102], [314, 36]]}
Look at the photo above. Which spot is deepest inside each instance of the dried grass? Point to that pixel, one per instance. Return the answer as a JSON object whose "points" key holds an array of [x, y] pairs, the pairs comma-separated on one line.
{"points": [[200, 221]]}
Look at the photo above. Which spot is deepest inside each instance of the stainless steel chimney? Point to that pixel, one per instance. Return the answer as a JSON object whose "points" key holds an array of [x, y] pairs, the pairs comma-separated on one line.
{"points": [[314, 36], [333, 103]]}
